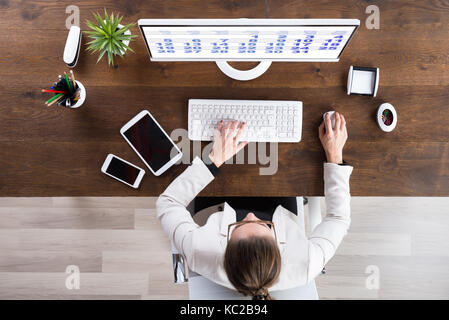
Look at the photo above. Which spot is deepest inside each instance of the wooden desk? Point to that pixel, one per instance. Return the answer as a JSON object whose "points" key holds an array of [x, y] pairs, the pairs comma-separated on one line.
{"points": [[51, 151]]}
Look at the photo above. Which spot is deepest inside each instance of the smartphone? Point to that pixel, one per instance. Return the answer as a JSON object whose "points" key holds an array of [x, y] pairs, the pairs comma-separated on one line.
{"points": [[151, 142], [122, 171]]}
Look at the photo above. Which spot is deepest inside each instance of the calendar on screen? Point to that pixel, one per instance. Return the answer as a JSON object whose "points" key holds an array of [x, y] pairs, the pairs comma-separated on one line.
{"points": [[247, 42]]}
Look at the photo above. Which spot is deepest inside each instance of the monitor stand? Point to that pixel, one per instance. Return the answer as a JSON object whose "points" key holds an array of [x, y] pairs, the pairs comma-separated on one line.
{"points": [[243, 75]]}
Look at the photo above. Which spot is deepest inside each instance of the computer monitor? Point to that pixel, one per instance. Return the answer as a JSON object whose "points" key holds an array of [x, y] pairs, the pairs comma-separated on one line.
{"points": [[264, 40]]}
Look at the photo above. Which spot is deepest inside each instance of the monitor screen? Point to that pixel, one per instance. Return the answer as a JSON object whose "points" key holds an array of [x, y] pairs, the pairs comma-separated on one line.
{"points": [[285, 43]]}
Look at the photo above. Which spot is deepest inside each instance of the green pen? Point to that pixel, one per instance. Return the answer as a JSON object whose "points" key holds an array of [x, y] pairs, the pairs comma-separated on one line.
{"points": [[53, 98], [68, 83]]}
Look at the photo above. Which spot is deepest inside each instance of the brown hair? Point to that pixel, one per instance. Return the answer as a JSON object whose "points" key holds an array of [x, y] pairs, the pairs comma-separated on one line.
{"points": [[253, 265]]}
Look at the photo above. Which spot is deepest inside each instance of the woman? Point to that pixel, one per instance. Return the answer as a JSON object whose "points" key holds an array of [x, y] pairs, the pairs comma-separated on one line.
{"points": [[250, 254]]}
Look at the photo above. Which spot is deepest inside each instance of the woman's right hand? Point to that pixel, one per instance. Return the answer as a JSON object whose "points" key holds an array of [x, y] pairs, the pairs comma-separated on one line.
{"points": [[227, 141], [333, 139]]}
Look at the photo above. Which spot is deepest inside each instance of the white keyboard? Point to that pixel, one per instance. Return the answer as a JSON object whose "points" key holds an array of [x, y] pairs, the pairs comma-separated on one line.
{"points": [[266, 120]]}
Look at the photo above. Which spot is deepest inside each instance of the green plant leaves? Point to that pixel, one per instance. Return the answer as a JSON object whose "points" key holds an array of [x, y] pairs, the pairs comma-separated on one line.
{"points": [[116, 22], [105, 37], [102, 54], [98, 30], [110, 58], [100, 21]]}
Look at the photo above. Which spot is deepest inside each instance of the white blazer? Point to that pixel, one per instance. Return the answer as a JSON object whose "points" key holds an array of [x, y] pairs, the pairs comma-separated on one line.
{"points": [[203, 247]]}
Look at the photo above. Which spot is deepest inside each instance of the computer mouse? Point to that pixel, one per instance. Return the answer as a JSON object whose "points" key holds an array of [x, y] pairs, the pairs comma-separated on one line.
{"points": [[332, 115]]}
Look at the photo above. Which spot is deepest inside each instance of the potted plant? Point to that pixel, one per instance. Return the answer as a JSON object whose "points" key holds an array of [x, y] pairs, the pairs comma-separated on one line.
{"points": [[109, 36]]}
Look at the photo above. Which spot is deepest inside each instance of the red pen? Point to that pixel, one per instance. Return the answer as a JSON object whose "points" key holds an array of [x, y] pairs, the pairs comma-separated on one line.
{"points": [[53, 91]]}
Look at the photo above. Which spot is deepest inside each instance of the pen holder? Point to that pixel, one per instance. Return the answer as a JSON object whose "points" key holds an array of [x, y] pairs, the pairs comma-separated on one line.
{"points": [[82, 97]]}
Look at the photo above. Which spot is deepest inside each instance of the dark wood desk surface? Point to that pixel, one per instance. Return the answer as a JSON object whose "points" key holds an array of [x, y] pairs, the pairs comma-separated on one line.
{"points": [[51, 151]]}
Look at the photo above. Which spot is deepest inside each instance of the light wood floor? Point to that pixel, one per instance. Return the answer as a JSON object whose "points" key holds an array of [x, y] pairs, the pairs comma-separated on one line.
{"points": [[122, 252]]}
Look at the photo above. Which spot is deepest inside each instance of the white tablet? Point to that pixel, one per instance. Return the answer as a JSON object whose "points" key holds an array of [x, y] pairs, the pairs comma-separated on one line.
{"points": [[151, 142]]}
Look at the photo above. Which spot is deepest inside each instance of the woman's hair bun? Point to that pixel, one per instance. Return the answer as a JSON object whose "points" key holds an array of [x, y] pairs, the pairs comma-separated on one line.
{"points": [[261, 294]]}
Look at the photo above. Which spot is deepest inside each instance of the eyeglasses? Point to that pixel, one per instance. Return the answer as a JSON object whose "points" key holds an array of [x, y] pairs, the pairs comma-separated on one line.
{"points": [[261, 222]]}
